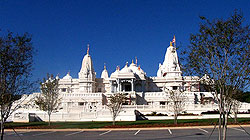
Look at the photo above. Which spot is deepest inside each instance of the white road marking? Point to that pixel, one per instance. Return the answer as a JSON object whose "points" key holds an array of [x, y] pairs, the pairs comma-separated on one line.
{"points": [[9, 133], [105, 133], [137, 132], [170, 131], [44, 133], [74, 133], [203, 130], [237, 129], [19, 133]]}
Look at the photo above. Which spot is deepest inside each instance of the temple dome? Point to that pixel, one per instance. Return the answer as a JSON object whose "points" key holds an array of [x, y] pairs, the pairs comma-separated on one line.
{"points": [[115, 74], [136, 69], [105, 74], [126, 69], [67, 76], [133, 67]]}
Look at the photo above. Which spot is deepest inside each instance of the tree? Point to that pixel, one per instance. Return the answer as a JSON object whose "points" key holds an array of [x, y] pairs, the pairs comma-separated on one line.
{"points": [[177, 102], [235, 108], [16, 60], [221, 50], [115, 105], [49, 99]]}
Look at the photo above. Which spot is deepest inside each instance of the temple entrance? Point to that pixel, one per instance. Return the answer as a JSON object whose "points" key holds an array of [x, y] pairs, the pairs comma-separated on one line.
{"points": [[126, 86]]}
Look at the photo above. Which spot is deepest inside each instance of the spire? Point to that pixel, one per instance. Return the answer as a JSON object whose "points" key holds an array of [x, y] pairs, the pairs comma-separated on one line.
{"points": [[132, 61], [118, 68], [174, 41], [171, 43], [126, 63], [105, 66], [88, 49]]}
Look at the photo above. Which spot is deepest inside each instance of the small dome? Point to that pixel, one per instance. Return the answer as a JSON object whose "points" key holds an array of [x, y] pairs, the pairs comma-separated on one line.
{"points": [[105, 74], [67, 76], [115, 74], [135, 69], [126, 69]]}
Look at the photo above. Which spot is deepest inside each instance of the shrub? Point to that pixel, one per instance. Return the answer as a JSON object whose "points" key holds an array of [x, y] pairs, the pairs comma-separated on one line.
{"points": [[155, 114], [211, 112]]}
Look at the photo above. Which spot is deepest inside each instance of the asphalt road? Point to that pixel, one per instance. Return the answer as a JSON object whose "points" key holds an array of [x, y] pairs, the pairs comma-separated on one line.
{"points": [[235, 133]]}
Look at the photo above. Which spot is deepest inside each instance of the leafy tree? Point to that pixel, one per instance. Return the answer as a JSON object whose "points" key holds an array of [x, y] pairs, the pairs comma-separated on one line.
{"points": [[49, 99], [115, 105], [221, 50], [177, 102], [16, 60]]}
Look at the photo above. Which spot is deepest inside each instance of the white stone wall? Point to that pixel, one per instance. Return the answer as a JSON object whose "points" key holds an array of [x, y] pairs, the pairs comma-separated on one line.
{"points": [[127, 114]]}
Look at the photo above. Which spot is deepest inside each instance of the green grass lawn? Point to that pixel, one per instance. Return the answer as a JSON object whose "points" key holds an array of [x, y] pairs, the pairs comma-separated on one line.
{"points": [[144, 123]]}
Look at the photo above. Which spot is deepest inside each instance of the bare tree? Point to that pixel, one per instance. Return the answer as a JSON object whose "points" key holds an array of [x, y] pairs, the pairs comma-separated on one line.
{"points": [[49, 99], [235, 108], [115, 105], [177, 102], [221, 50], [16, 59]]}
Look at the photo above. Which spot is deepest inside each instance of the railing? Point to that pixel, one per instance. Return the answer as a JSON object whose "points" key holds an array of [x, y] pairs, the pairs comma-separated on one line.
{"points": [[81, 95], [187, 107]]}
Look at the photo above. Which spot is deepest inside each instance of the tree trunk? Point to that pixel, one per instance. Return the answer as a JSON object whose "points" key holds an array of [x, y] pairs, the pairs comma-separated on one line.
{"points": [[235, 117], [221, 119], [225, 127], [2, 129], [220, 126], [49, 118], [175, 119], [113, 120], [221, 110]]}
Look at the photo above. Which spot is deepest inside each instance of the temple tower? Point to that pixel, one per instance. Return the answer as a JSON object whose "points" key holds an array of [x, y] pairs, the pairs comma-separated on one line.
{"points": [[170, 66], [87, 75]]}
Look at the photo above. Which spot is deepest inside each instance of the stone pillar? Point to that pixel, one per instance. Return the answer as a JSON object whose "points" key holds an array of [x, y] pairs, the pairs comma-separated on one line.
{"points": [[111, 86], [132, 85], [119, 85]]}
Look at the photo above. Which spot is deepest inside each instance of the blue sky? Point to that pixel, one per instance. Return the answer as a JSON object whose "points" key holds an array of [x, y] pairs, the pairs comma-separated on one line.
{"points": [[117, 31]]}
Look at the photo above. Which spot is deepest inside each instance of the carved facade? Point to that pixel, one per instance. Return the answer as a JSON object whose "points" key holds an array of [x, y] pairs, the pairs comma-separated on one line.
{"points": [[130, 80]]}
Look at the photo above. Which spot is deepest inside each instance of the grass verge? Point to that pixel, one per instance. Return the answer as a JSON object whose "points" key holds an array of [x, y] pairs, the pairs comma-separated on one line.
{"points": [[124, 124]]}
